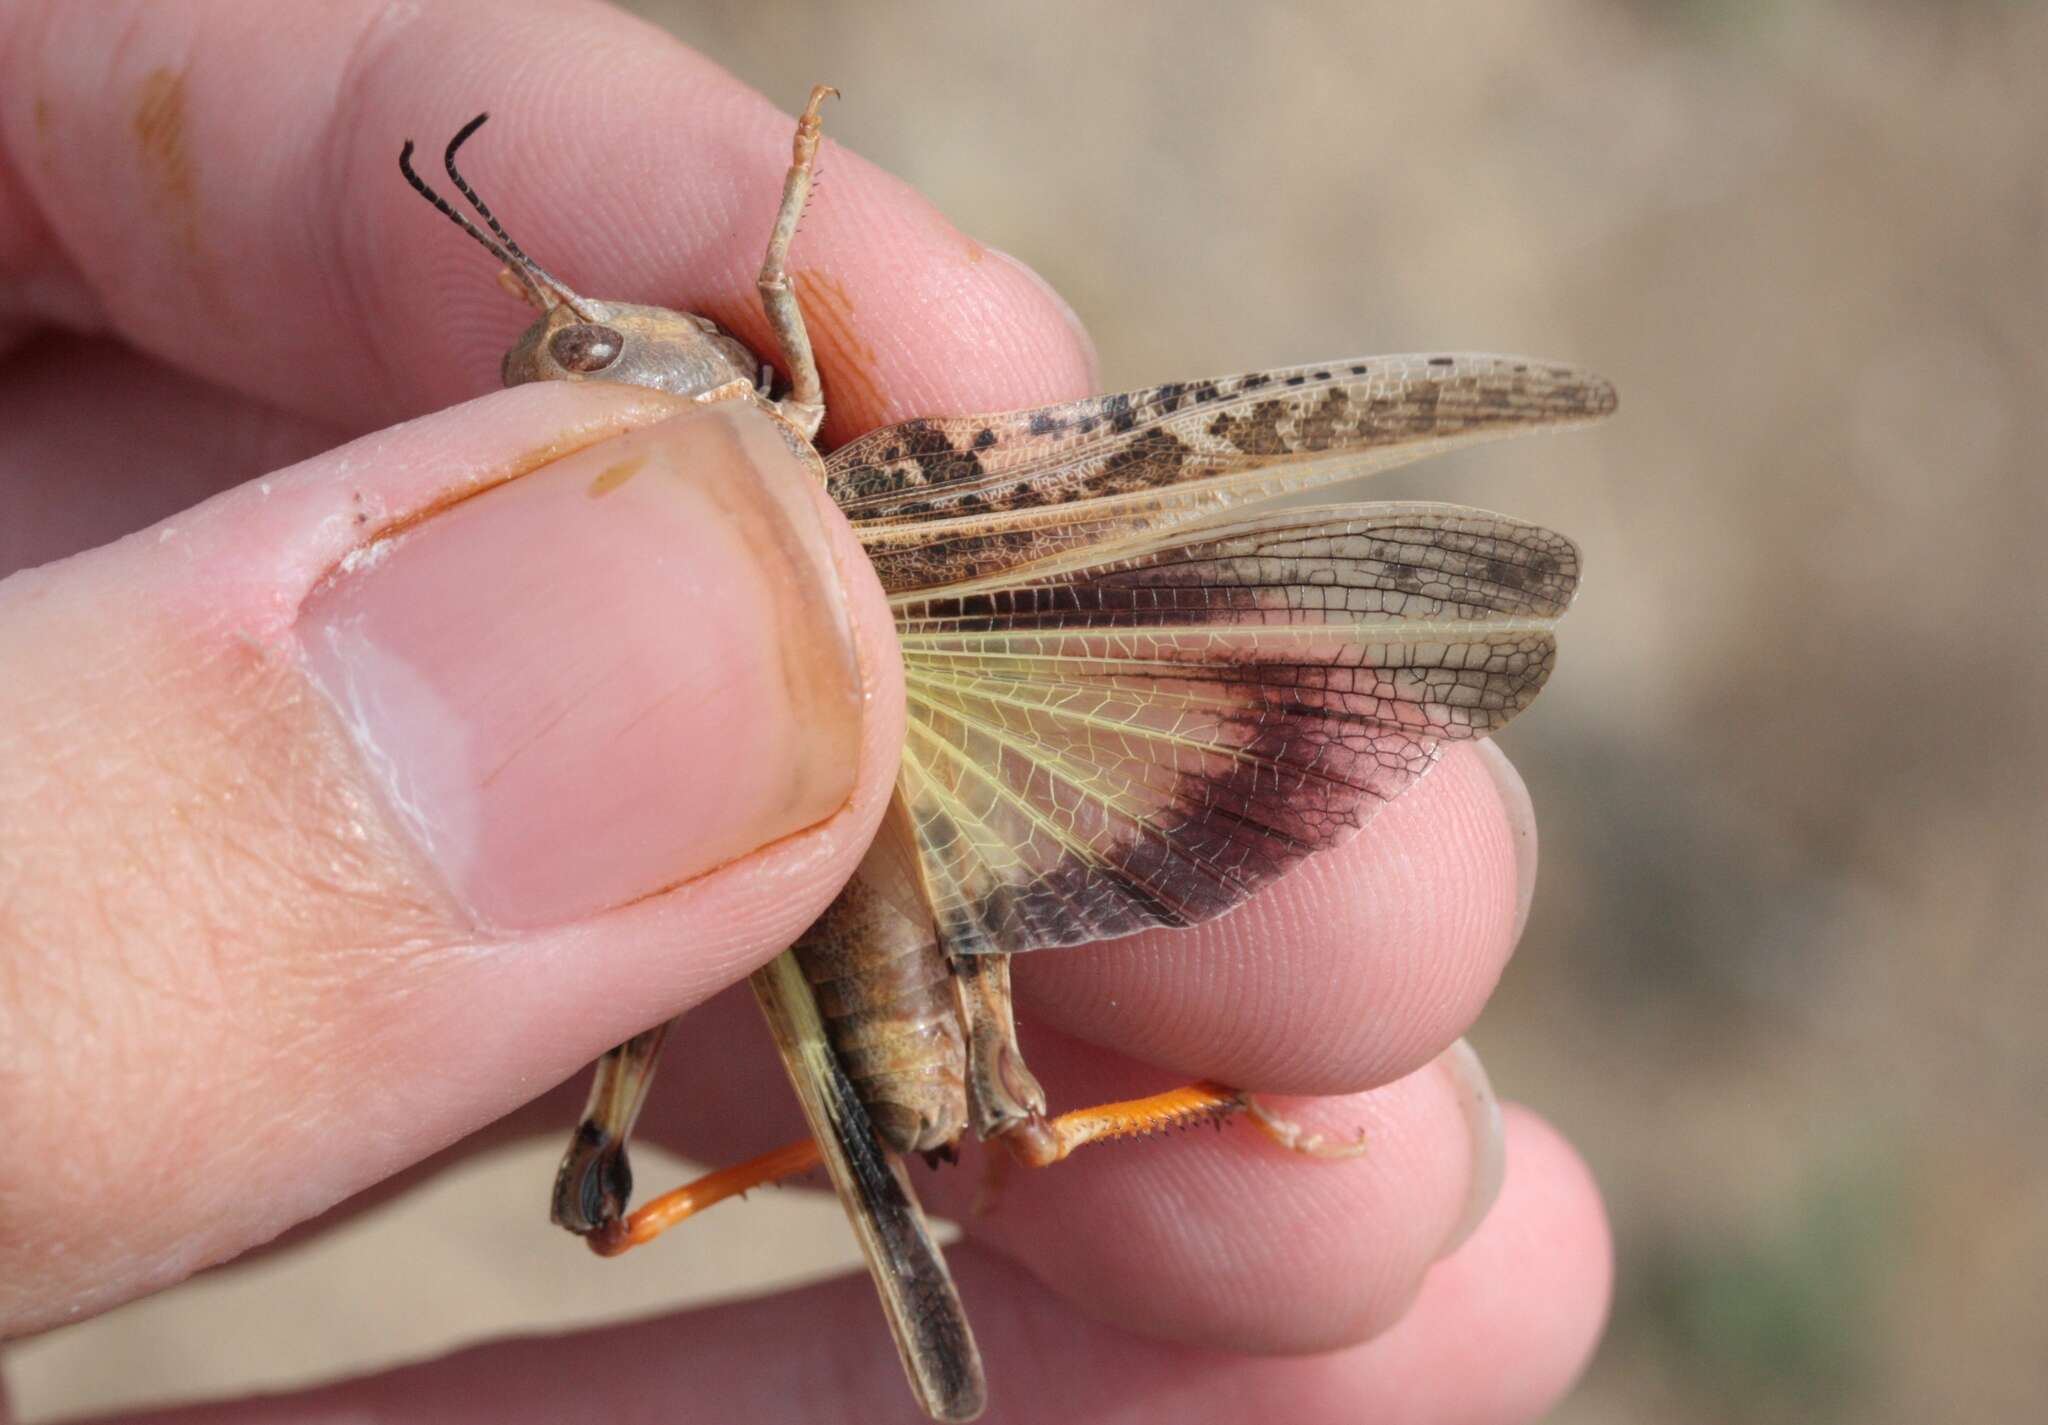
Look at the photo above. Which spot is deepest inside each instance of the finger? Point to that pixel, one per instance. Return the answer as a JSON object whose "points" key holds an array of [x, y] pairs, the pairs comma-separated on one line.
{"points": [[73, 478], [1496, 1335], [221, 190], [309, 876], [1218, 1237], [1212, 1236], [1357, 967], [1513, 1317]]}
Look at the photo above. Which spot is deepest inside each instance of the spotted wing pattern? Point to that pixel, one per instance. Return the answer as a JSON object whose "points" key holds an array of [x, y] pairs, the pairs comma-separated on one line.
{"points": [[943, 502], [1146, 736]]}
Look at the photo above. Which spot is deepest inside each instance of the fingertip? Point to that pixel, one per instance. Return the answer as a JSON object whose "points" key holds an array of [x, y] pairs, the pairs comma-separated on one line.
{"points": [[1355, 969], [1517, 1312], [1226, 1240], [912, 317], [1090, 359], [1518, 812]]}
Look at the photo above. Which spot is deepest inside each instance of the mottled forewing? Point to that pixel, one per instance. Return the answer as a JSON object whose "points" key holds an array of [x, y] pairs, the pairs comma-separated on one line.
{"points": [[1146, 739], [945, 502]]}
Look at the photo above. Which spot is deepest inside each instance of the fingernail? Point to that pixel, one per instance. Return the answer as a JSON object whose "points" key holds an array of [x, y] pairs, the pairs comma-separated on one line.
{"points": [[598, 680], [1521, 812], [1488, 1137]]}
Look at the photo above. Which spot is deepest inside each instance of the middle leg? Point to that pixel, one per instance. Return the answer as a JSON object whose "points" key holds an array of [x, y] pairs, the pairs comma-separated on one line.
{"points": [[1007, 1105]]}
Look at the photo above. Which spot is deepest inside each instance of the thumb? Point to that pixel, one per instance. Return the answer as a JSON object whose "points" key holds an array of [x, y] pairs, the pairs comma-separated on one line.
{"points": [[353, 807]]}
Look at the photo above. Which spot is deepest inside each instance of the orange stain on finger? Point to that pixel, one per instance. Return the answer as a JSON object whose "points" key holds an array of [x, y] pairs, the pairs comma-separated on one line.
{"points": [[159, 125], [853, 394]]}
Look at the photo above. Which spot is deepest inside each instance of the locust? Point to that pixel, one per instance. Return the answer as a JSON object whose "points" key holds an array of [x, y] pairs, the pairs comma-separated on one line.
{"points": [[1134, 698]]}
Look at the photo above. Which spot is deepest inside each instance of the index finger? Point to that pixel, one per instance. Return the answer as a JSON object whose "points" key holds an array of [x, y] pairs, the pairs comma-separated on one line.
{"points": [[220, 189]]}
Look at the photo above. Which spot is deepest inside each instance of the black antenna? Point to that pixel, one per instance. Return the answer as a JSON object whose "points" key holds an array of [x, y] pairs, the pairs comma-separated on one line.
{"points": [[462, 187], [530, 273]]}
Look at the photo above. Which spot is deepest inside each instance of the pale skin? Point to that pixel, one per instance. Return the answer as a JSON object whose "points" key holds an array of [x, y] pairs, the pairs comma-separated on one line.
{"points": [[1351, 978]]}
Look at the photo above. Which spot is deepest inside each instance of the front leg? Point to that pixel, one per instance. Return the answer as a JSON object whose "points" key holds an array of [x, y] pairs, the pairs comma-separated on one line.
{"points": [[595, 1181], [804, 406]]}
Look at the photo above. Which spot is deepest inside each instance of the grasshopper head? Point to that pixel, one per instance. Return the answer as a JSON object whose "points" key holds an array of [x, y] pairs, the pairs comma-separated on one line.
{"points": [[671, 351], [577, 339]]}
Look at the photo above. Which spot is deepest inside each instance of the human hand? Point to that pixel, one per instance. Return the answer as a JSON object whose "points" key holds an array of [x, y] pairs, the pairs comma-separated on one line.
{"points": [[237, 988]]}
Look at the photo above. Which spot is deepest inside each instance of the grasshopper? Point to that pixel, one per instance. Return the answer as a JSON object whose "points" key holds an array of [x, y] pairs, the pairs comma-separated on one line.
{"points": [[1133, 700]]}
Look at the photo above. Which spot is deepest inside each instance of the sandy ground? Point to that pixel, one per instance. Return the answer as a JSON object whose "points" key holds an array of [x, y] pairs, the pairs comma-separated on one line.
{"points": [[1784, 978]]}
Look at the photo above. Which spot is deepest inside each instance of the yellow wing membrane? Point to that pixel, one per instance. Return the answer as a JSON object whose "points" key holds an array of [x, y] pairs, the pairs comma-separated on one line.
{"points": [[1144, 734]]}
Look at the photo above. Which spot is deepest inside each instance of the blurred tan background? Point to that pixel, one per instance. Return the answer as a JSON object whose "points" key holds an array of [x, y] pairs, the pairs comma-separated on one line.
{"points": [[1784, 980]]}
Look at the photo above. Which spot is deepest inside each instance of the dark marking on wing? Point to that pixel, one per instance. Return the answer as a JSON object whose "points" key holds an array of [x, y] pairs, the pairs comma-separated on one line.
{"points": [[1256, 432], [1145, 741]]}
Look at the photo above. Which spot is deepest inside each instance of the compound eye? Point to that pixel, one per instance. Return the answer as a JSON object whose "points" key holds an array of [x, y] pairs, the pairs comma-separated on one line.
{"points": [[585, 348]]}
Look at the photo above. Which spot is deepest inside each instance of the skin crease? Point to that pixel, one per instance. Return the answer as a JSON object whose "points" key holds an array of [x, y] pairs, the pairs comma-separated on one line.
{"points": [[258, 1019]]}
